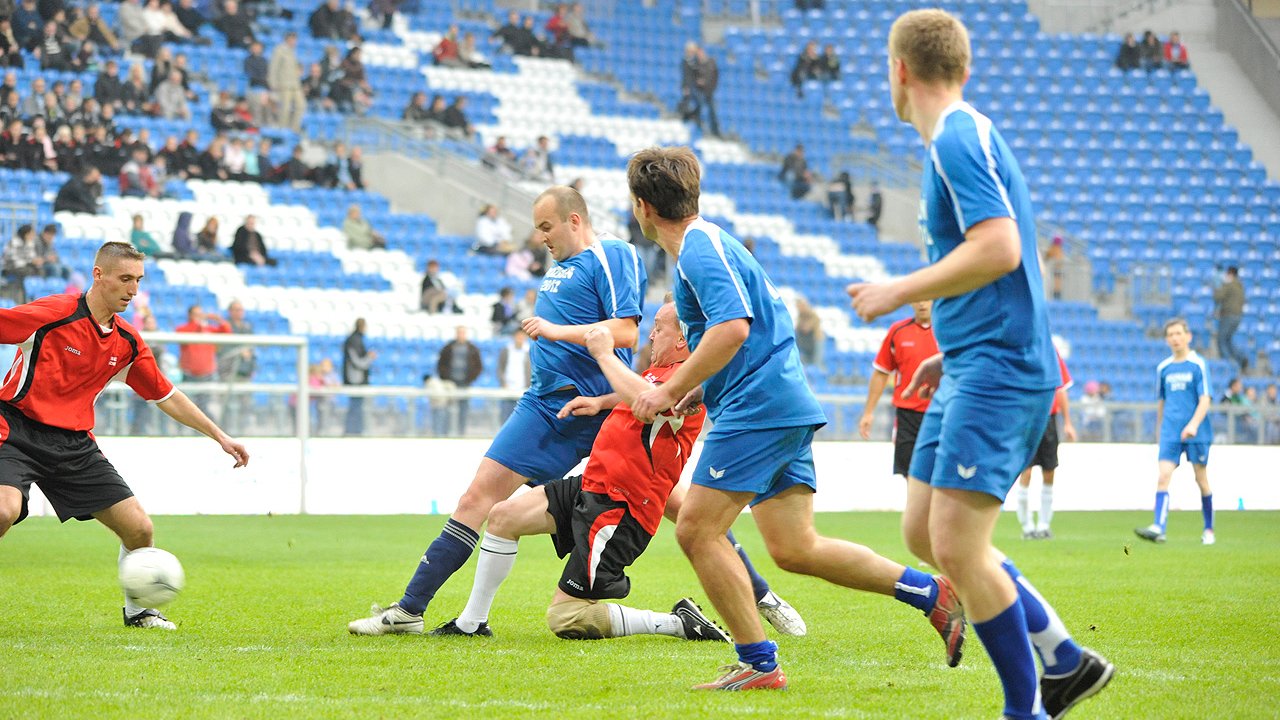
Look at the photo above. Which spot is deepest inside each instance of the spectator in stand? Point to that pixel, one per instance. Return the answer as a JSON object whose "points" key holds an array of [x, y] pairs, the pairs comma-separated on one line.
{"points": [[529, 261], [1052, 267], [354, 89], [80, 194], [331, 21], [357, 363], [527, 307], [340, 172], [211, 161], [1152, 52], [455, 116], [1093, 412], [10, 48], [11, 142], [829, 64], [876, 206], [285, 80], [503, 315], [317, 89], [493, 233], [189, 16], [1175, 53], [536, 163], [515, 371], [107, 88], [171, 98], [806, 67], [794, 165], [459, 363], [47, 255], [10, 107], [1270, 402], [801, 186], [385, 11], [355, 168], [187, 159], [501, 156], [359, 233], [255, 111], [38, 152], [135, 95], [52, 49], [256, 66], [248, 247], [470, 55], [237, 364], [33, 105], [182, 242], [560, 42], [435, 296], [840, 197], [437, 108], [233, 158], [445, 53], [579, 34], [26, 23], [1233, 393], [257, 161], [517, 37], [171, 151], [700, 76], [416, 112], [137, 179], [1228, 300], [144, 240], [1129, 56], [21, 256], [235, 25], [207, 240], [296, 170], [810, 340], [198, 361], [222, 113]]}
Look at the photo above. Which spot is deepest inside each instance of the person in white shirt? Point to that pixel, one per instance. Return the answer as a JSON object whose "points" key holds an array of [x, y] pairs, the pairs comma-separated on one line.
{"points": [[493, 233], [514, 370]]}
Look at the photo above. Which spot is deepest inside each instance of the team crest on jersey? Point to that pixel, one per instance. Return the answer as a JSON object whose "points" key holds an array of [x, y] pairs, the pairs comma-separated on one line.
{"points": [[112, 362]]}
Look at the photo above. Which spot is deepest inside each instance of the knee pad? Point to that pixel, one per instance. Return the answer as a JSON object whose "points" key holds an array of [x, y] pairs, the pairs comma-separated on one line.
{"points": [[579, 620]]}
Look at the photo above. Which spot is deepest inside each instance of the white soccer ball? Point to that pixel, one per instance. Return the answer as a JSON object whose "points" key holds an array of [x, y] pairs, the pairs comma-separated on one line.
{"points": [[151, 577]]}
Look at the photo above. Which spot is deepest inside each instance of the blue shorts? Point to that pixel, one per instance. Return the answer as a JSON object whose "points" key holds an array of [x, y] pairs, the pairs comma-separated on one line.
{"points": [[764, 462], [1172, 451], [979, 439], [540, 446]]}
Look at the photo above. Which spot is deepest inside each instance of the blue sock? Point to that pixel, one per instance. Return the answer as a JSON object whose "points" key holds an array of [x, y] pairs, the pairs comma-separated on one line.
{"points": [[759, 585], [446, 554], [1005, 637], [917, 589], [762, 655], [1206, 509], [1058, 652], [1162, 509]]}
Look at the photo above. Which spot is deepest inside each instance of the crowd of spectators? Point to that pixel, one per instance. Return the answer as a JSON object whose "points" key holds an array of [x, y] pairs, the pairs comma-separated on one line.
{"points": [[1152, 54]]}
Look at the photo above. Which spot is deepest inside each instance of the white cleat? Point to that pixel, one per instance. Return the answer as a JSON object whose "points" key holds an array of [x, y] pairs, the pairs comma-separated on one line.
{"points": [[387, 621], [781, 615], [149, 619], [1207, 538]]}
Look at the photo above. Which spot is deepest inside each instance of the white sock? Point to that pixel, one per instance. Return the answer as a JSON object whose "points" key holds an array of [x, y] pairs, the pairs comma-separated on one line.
{"points": [[630, 621], [497, 556], [129, 608], [1046, 506], [1024, 509]]}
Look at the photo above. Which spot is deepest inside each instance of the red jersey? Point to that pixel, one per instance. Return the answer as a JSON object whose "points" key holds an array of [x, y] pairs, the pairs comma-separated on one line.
{"points": [[65, 360], [639, 464], [1066, 384], [907, 344], [200, 360]]}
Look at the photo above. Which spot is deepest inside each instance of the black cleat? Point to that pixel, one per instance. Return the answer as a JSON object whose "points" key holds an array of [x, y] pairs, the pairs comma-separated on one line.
{"points": [[148, 618], [451, 628], [696, 625], [1062, 692]]}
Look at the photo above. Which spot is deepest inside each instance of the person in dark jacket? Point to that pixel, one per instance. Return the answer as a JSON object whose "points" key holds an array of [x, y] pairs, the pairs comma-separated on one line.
{"points": [[248, 248], [460, 364], [80, 194], [1129, 56], [357, 361]]}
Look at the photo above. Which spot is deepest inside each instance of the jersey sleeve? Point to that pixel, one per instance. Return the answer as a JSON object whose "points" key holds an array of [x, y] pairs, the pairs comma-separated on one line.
{"points": [[617, 282], [18, 323], [885, 362], [145, 377], [964, 158], [719, 286]]}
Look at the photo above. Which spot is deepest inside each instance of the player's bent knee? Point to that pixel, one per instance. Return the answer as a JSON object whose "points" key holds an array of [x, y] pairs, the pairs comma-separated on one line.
{"points": [[579, 620]]}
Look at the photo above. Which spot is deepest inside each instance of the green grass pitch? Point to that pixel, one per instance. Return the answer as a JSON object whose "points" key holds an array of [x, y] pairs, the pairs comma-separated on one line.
{"points": [[262, 628]]}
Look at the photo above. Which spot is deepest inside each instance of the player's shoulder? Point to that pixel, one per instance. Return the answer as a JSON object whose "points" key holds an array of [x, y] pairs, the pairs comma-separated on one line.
{"points": [[60, 301], [1164, 364], [901, 324], [1195, 359], [962, 130]]}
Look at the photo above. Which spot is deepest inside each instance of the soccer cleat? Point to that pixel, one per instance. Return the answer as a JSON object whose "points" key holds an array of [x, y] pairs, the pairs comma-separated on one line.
{"points": [[1150, 532], [741, 676], [947, 618], [1207, 538], [1062, 692], [391, 620], [781, 615], [1044, 534], [1028, 533], [697, 626], [451, 628], [148, 618]]}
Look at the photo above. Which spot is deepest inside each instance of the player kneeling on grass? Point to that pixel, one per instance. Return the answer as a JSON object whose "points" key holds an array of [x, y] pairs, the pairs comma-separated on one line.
{"points": [[69, 348]]}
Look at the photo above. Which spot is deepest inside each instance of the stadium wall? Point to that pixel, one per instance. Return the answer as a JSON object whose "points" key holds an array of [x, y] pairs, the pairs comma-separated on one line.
{"points": [[189, 476]]}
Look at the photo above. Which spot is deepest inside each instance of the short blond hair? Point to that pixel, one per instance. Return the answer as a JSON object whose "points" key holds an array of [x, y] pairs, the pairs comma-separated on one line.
{"points": [[933, 43]]}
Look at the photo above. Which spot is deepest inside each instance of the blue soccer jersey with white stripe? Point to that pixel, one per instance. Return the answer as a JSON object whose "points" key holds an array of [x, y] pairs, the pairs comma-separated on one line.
{"points": [[998, 334], [763, 386], [1181, 385], [607, 280]]}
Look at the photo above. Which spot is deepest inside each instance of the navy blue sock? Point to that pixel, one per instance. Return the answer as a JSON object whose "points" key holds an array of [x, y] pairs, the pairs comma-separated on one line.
{"points": [[1058, 652], [917, 589], [446, 554], [762, 655], [759, 585], [1005, 637], [1206, 509]]}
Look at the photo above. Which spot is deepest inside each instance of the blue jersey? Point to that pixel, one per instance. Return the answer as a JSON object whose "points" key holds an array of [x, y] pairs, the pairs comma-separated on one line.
{"points": [[998, 334], [607, 280], [1182, 384], [763, 386]]}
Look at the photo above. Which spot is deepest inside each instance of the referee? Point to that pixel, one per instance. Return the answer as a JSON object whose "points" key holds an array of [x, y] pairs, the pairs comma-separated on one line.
{"points": [[908, 343]]}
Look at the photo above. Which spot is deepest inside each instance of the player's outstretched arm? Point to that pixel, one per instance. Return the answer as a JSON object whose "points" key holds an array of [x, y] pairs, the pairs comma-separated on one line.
{"points": [[589, 405], [991, 250], [180, 407], [624, 331], [718, 346], [875, 388], [627, 385]]}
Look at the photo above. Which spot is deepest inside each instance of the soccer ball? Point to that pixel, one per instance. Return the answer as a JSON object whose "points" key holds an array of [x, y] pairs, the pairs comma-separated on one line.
{"points": [[151, 577]]}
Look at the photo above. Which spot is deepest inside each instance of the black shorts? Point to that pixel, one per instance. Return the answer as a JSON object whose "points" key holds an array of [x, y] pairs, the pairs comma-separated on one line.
{"points": [[906, 426], [1047, 454], [603, 539], [71, 471]]}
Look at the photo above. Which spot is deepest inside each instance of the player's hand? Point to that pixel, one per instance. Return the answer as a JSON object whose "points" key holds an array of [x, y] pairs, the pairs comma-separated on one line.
{"points": [[873, 300], [651, 402], [926, 378], [599, 341], [535, 327], [864, 426], [235, 450], [691, 403], [1069, 431], [580, 406], [1189, 431]]}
